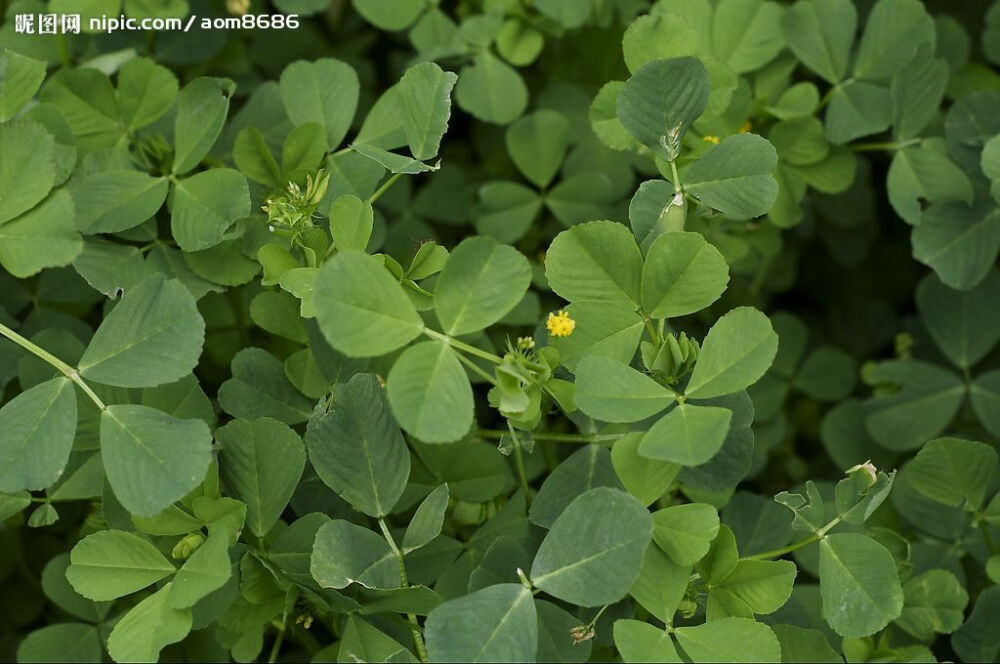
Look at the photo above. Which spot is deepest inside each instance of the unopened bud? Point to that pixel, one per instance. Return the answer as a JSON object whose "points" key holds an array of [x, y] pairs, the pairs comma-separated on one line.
{"points": [[187, 546]]}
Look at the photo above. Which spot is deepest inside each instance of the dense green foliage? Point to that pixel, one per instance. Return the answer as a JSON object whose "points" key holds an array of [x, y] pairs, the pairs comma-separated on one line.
{"points": [[502, 330]]}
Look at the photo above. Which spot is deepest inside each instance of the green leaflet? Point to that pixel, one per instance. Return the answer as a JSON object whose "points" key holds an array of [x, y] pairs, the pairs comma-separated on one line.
{"points": [[661, 96], [201, 110], [491, 91], [247, 466], [859, 583], [506, 336], [430, 393], [36, 433], [595, 262], [425, 95], [153, 336], [22, 78], [148, 627], [361, 309], [40, 238], [152, 459], [737, 351], [481, 282], [735, 176], [357, 448], [688, 435], [641, 642], [604, 529], [111, 563], [729, 639], [27, 169], [682, 274], [498, 623], [345, 553], [609, 390], [820, 34]]}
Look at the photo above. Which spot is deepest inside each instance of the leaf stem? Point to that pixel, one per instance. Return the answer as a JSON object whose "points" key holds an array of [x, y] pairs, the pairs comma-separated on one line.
{"points": [[795, 546], [418, 639], [652, 331], [276, 648], [582, 438], [460, 345], [61, 366], [474, 368], [678, 188], [385, 185]]}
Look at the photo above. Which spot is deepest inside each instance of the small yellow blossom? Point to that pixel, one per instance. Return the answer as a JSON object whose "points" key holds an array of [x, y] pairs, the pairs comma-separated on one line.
{"points": [[746, 127], [714, 140], [525, 343], [560, 324]]}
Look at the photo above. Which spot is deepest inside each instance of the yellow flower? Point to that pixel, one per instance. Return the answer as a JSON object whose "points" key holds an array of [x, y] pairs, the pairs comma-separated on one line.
{"points": [[560, 324], [746, 127], [714, 140]]}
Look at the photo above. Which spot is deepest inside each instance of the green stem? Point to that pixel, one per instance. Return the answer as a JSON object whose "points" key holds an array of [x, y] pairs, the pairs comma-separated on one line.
{"points": [[652, 331], [988, 537], [418, 639], [585, 439], [795, 546], [61, 366], [276, 648], [519, 459], [460, 345], [474, 368], [385, 185], [678, 189], [884, 146]]}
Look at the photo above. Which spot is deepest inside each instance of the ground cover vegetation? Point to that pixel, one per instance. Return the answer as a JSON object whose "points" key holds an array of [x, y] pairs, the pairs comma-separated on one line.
{"points": [[502, 330]]}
